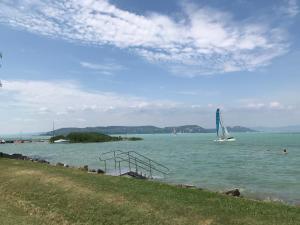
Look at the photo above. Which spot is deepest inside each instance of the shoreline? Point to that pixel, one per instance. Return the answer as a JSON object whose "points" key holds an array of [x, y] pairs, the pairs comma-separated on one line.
{"points": [[234, 192], [39, 193]]}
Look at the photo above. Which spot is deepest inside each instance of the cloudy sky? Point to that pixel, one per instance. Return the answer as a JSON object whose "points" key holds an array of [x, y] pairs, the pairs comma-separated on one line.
{"points": [[152, 62]]}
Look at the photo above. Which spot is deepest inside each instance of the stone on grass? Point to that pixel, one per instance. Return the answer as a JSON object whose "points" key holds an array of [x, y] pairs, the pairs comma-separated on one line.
{"points": [[100, 171], [234, 192]]}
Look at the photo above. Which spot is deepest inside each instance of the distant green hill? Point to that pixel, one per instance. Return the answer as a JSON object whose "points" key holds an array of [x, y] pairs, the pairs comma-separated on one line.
{"points": [[240, 129], [144, 130]]}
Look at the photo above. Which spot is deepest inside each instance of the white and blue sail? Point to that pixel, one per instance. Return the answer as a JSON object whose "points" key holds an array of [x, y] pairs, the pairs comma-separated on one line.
{"points": [[222, 132], [218, 121]]}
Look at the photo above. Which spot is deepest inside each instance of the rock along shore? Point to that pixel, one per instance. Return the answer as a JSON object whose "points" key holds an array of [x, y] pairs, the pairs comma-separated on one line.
{"points": [[39, 160]]}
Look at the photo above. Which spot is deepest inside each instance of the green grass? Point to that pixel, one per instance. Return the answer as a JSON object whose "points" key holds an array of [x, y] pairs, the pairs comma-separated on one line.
{"points": [[33, 193]]}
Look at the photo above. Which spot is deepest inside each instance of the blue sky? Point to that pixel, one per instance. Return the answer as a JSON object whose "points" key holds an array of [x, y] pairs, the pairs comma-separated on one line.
{"points": [[131, 62]]}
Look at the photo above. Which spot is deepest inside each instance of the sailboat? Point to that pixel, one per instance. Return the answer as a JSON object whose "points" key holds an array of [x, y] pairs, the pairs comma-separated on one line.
{"points": [[174, 131], [59, 141], [222, 132]]}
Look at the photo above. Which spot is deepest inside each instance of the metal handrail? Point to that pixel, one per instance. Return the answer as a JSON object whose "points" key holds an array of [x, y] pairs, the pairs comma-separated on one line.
{"points": [[137, 165], [105, 153], [162, 169], [144, 163], [136, 161], [150, 160], [114, 153]]}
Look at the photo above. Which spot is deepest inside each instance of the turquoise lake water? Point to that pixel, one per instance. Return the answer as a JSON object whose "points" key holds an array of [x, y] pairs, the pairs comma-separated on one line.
{"points": [[254, 163]]}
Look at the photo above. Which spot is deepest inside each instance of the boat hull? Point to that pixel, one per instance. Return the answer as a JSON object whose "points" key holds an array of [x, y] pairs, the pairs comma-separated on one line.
{"points": [[61, 141], [225, 140]]}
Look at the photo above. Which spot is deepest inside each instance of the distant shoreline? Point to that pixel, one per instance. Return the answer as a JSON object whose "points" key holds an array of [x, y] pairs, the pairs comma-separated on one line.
{"points": [[112, 130]]}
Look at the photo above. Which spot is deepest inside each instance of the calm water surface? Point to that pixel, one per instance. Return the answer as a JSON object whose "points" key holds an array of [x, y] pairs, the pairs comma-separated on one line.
{"points": [[254, 163]]}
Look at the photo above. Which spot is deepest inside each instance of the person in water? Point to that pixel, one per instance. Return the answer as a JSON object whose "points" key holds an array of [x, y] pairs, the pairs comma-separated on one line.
{"points": [[285, 151]]}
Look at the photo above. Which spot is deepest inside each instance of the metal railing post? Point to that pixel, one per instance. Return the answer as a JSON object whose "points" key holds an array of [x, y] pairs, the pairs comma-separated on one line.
{"points": [[115, 160], [150, 168], [105, 166], [120, 168], [129, 162], [136, 169]]}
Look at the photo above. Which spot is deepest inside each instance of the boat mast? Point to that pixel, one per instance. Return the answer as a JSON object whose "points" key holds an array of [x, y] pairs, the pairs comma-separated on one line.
{"points": [[53, 129], [0, 67], [218, 122]]}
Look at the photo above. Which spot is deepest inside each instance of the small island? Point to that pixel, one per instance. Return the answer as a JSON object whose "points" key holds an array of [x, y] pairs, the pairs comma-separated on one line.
{"points": [[90, 137]]}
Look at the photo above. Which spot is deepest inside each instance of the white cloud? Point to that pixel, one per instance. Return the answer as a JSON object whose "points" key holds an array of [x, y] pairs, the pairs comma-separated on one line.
{"points": [[65, 97], [33, 105], [291, 8], [43, 110], [275, 105], [253, 104], [202, 93], [70, 105], [108, 68], [201, 41]]}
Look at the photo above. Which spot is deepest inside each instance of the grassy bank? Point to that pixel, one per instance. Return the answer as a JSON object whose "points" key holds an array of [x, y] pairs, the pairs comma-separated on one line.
{"points": [[33, 193]]}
